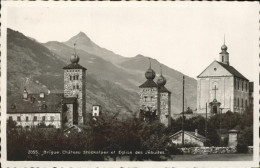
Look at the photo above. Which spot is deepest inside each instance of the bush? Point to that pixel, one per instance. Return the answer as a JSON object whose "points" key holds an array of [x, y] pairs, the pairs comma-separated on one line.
{"points": [[242, 148]]}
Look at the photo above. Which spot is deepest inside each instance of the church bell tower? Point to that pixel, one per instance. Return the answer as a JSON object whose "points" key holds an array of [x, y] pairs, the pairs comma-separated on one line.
{"points": [[224, 55]]}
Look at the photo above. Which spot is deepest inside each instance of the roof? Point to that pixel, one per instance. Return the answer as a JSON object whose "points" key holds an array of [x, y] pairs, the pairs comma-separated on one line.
{"points": [[232, 70], [69, 100], [148, 83], [74, 66], [163, 89], [190, 133], [50, 103]]}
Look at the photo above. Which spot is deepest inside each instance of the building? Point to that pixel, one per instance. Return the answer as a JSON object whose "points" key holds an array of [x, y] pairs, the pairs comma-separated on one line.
{"points": [[155, 99], [36, 109], [222, 87], [96, 110], [189, 138], [64, 110], [74, 101]]}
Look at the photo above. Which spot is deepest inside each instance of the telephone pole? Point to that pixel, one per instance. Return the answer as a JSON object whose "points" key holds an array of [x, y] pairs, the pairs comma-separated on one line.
{"points": [[206, 131], [183, 111]]}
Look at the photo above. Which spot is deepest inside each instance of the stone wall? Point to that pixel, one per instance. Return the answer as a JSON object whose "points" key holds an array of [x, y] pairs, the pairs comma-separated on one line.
{"points": [[212, 150], [148, 98], [165, 106], [208, 150]]}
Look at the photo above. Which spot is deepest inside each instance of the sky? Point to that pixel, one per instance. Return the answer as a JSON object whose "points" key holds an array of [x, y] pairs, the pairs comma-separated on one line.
{"points": [[184, 36]]}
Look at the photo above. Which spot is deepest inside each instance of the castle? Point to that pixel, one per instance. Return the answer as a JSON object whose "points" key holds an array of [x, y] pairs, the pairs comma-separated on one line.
{"points": [[60, 110], [155, 99]]}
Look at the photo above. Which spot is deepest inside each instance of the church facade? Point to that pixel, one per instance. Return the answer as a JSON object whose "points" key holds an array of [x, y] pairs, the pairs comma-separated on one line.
{"points": [[222, 88], [155, 99]]}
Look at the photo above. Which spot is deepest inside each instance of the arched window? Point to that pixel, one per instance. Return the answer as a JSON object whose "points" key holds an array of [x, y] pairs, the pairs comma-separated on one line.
{"points": [[222, 58]]}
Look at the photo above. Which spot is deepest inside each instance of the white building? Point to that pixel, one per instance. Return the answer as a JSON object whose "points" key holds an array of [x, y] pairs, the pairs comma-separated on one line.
{"points": [[222, 87], [189, 138], [32, 110]]}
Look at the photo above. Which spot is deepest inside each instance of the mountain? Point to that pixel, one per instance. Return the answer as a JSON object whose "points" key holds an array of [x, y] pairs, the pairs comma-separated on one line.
{"points": [[33, 66], [84, 43], [127, 72], [113, 84]]}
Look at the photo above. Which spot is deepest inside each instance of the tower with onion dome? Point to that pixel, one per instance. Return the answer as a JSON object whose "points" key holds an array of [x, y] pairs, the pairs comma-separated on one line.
{"points": [[148, 96], [224, 55], [164, 101], [74, 102]]}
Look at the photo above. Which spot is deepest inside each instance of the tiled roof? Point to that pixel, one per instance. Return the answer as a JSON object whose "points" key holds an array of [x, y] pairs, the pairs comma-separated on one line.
{"points": [[163, 89], [199, 137], [148, 83], [51, 103], [74, 66], [233, 71]]}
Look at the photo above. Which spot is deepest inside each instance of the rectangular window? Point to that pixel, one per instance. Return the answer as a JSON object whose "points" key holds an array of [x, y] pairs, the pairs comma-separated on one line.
{"points": [[242, 85], [10, 118], [238, 84], [70, 77], [52, 118], [18, 118], [235, 83], [145, 98], [35, 118], [246, 86], [27, 118], [77, 86], [43, 118]]}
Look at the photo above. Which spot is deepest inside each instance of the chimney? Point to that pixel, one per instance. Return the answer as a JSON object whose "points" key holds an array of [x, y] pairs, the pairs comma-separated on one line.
{"points": [[196, 132], [25, 93]]}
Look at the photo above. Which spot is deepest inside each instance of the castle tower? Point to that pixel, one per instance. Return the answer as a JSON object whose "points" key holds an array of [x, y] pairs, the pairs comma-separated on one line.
{"points": [[74, 103], [164, 101], [148, 96], [224, 55]]}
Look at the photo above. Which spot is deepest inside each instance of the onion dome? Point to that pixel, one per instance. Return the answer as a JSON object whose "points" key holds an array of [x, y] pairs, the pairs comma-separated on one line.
{"points": [[161, 81], [223, 47], [150, 74], [74, 58]]}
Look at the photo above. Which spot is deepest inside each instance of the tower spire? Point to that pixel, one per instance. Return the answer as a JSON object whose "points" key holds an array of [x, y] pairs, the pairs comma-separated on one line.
{"points": [[161, 69], [224, 40], [75, 49], [150, 66]]}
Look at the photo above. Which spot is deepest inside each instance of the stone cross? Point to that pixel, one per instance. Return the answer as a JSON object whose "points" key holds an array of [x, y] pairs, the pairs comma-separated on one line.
{"points": [[215, 89]]}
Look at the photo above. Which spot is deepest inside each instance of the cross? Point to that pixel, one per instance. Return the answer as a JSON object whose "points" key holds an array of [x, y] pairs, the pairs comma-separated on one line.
{"points": [[215, 89]]}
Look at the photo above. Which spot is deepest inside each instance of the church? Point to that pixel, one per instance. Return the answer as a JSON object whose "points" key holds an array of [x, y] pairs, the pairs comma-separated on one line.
{"points": [[155, 99], [221, 88]]}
